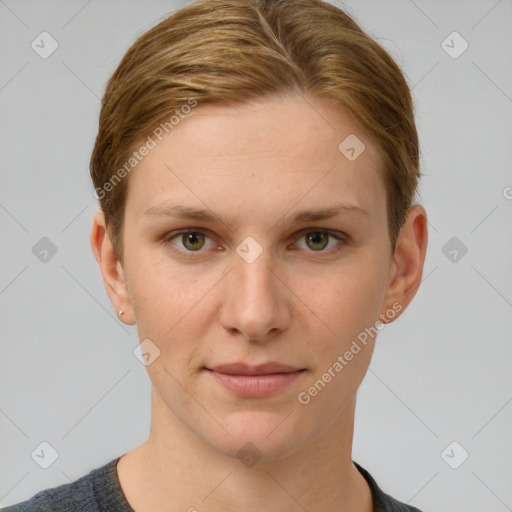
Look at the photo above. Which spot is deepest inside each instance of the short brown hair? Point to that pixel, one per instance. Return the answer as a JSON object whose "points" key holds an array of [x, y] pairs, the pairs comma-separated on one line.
{"points": [[232, 51]]}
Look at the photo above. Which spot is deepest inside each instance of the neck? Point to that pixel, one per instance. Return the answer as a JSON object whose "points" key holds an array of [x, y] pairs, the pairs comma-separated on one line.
{"points": [[175, 470]]}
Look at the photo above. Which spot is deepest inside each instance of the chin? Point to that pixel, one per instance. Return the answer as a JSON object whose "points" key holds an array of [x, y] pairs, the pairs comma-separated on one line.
{"points": [[261, 435]]}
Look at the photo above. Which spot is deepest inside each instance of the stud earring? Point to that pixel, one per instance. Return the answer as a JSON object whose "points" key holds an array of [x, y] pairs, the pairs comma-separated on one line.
{"points": [[121, 312]]}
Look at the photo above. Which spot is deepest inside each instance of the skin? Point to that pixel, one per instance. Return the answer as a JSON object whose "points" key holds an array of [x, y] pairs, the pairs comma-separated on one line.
{"points": [[298, 303]]}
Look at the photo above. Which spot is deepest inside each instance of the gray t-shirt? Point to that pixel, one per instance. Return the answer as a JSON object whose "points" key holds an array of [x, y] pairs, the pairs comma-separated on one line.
{"points": [[100, 491]]}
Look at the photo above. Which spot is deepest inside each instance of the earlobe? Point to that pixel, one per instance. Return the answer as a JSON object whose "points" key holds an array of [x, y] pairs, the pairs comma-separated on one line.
{"points": [[111, 269], [408, 261]]}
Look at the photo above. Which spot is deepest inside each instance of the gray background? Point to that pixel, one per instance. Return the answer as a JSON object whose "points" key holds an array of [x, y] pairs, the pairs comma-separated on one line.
{"points": [[441, 373]]}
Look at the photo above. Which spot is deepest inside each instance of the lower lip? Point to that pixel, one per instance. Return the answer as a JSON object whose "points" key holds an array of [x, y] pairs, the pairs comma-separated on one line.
{"points": [[256, 386]]}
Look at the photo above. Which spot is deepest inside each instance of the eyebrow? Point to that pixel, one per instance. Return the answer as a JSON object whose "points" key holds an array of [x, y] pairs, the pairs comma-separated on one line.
{"points": [[206, 215]]}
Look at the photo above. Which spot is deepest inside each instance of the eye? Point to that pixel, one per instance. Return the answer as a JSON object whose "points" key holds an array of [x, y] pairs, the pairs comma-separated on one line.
{"points": [[191, 241], [318, 240], [195, 241]]}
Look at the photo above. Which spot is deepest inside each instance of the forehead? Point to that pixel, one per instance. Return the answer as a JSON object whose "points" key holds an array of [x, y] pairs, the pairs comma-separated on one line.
{"points": [[273, 152]]}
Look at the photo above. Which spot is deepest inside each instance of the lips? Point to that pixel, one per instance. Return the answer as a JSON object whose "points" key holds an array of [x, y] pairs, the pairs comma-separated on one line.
{"points": [[255, 381], [261, 369]]}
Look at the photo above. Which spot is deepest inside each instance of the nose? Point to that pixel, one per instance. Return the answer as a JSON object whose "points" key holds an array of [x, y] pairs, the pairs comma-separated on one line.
{"points": [[257, 303]]}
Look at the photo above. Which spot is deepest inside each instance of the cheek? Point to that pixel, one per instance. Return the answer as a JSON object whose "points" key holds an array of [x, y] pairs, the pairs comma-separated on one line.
{"points": [[348, 304], [160, 292], [349, 299], [171, 308]]}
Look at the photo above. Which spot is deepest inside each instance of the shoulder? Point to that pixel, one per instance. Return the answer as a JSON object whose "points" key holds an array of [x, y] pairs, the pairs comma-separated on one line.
{"points": [[383, 502], [78, 496], [75, 496]]}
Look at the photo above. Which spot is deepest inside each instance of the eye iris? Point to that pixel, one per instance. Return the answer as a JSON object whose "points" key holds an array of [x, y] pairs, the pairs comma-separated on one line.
{"points": [[317, 238], [190, 240]]}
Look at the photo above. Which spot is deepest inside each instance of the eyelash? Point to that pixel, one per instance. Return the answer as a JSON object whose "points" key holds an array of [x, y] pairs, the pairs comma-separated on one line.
{"points": [[340, 237]]}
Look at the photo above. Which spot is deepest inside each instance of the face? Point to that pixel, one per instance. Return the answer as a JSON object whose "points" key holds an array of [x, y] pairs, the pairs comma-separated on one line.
{"points": [[255, 254]]}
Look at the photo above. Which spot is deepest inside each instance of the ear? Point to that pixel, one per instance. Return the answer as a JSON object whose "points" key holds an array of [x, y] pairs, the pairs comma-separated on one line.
{"points": [[111, 269], [407, 265]]}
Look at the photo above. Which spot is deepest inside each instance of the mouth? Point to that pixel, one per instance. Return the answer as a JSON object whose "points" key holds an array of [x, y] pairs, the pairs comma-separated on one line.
{"points": [[255, 381]]}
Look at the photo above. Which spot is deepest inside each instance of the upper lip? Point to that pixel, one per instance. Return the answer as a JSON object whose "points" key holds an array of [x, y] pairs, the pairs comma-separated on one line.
{"points": [[260, 369]]}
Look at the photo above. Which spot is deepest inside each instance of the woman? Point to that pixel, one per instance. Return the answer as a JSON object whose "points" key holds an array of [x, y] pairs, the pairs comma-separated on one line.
{"points": [[256, 165]]}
